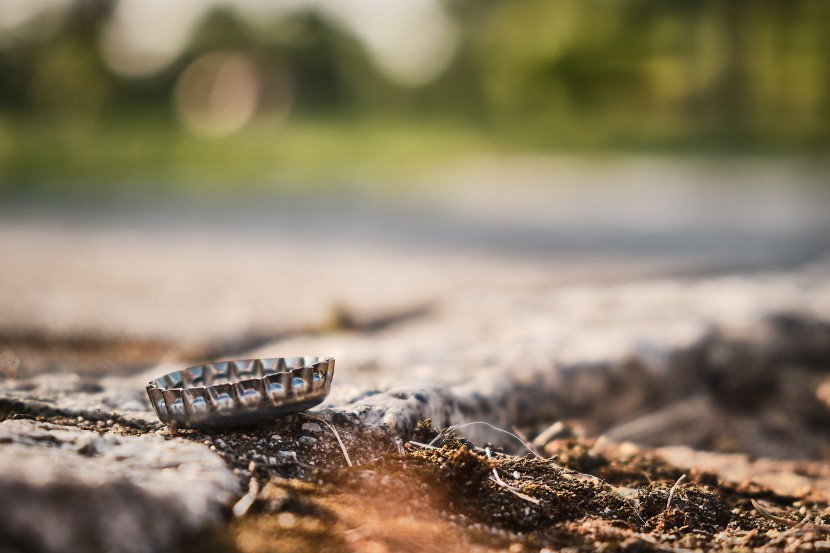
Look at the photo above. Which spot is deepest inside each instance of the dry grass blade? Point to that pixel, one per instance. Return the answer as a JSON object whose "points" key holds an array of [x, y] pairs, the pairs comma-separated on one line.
{"points": [[674, 489], [497, 479], [794, 526], [515, 491], [496, 428], [769, 516], [793, 531], [530, 445], [336, 435]]}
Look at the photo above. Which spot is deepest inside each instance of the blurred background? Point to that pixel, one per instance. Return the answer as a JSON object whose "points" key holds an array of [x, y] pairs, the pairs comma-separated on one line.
{"points": [[201, 169], [144, 96]]}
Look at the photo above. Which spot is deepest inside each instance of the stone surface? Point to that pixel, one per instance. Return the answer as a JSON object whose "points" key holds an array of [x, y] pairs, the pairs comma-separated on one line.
{"points": [[66, 489], [311, 427], [526, 356], [611, 354]]}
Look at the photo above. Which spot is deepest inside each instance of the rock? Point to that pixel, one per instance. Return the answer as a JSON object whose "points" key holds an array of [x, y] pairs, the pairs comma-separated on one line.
{"points": [[66, 489], [116, 399], [311, 427], [529, 356], [289, 455]]}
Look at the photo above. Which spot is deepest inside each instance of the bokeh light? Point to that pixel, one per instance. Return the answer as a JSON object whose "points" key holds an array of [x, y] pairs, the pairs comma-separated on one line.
{"points": [[217, 94]]}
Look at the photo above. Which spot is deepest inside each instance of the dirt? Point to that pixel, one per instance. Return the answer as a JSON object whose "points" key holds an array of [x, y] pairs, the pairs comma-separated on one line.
{"points": [[579, 494], [294, 446], [454, 496], [100, 422], [439, 492]]}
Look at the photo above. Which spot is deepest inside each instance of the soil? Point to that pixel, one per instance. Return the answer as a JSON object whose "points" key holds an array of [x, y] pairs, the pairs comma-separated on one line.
{"points": [[579, 496], [438, 492]]}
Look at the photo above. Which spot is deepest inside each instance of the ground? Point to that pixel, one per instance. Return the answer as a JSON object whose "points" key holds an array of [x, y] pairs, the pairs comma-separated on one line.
{"points": [[576, 494], [626, 346]]}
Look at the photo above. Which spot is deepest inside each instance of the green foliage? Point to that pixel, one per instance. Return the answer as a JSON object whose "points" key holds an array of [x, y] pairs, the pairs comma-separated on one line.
{"points": [[114, 156], [591, 72], [707, 75]]}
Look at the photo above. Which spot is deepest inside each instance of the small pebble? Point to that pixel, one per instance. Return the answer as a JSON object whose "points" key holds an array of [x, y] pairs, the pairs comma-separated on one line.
{"points": [[276, 437], [311, 427], [307, 440], [288, 454]]}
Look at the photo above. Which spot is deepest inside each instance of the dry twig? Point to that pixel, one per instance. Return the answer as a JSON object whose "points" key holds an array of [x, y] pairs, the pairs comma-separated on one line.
{"points": [[241, 507], [419, 444]]}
